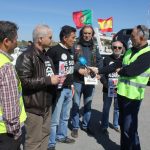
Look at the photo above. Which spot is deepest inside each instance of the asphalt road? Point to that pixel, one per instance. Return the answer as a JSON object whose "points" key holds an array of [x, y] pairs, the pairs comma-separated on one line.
{"points": [[102, 142]]}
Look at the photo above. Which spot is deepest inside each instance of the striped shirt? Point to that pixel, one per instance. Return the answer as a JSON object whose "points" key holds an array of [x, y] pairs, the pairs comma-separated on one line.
{"points": [[9, 98]]}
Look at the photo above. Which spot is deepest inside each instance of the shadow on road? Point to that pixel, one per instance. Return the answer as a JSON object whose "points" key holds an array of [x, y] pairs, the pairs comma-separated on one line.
{"points": [[96, 131], [101, 138]]}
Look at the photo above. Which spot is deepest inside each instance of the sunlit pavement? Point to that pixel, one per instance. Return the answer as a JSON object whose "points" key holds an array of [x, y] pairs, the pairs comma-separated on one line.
{"points": [[102, 142]]}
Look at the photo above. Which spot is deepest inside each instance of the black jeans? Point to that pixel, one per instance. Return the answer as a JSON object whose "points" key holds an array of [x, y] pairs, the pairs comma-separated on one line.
{"points": [[128, 120], [7, 142]]}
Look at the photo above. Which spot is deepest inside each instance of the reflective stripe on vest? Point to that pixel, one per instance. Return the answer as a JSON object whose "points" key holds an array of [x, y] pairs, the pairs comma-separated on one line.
{"points": [[145, 74], [22, 117], [138, 85], [133, 87]]}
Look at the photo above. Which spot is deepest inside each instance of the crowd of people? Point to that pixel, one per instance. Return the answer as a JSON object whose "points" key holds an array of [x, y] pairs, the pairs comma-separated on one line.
{"points": [[43, 90]]}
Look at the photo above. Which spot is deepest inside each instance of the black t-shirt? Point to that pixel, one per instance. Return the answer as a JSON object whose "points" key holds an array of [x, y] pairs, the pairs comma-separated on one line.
{"points": [[59, 53]]}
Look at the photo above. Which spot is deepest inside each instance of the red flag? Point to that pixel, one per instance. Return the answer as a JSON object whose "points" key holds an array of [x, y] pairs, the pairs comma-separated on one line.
{"points": [[106, 24], [82, 18]]}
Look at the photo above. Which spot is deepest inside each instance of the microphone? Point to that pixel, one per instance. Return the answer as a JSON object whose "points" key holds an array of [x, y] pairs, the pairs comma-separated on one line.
{"points": [[83, 62]]}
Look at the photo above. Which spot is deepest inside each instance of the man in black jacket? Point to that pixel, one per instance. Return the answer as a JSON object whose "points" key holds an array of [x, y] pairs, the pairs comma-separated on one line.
{"points": [[62, 57], [109, 82], [36, 72]]}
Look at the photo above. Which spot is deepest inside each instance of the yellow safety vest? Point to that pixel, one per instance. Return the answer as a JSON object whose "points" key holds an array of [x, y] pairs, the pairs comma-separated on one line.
{"points": [[3, 60], [133, 87]]}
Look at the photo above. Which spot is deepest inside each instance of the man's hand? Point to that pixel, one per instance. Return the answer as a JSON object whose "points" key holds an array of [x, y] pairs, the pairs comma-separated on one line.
{"points": [[55, 79], [84, 72], [118, 69], [62, 78], [98, 76], [94, 69]]}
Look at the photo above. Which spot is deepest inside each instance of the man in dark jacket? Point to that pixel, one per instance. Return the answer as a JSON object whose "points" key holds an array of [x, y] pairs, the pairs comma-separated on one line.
{"points": [[36, 72], [109, 82], [62, 57], [87, 49]]}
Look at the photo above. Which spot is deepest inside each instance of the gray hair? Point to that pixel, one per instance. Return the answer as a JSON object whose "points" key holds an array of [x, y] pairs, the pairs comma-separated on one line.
{"points": [[40, 31], [143, 31]]}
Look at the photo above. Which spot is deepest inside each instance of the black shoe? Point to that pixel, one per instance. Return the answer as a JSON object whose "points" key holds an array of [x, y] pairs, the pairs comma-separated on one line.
{"points": [[51, 148], [66, 140], [105, 131], [74, 133]]}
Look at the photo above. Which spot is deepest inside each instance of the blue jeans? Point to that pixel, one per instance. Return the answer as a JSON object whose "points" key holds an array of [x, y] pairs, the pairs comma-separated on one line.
{"points": [[60, 116], [87, 91], [106, 108]]}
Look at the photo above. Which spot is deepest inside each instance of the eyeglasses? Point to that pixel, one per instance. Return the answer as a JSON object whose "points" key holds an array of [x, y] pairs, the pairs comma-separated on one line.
{"points": [[50, 37], [117, 47], [141, 29]]}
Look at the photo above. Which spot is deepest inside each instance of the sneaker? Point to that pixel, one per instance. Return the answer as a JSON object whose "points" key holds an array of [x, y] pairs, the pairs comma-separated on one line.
{"points": [[74, 133], [105, 131], [117, 129], [66, 140], [51, 148]]}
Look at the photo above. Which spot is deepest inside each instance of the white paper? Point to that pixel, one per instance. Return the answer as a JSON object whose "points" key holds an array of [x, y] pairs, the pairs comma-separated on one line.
{"points": [[112, 83], [90, 81], [61, 71]]}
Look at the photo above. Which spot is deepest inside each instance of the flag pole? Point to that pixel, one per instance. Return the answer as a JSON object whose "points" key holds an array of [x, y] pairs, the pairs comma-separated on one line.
{"points": [[100, 46], [92, 17]]}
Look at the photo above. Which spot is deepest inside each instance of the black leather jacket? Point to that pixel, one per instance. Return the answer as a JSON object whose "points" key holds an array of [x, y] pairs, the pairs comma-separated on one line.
{"points": [[38, 93]]}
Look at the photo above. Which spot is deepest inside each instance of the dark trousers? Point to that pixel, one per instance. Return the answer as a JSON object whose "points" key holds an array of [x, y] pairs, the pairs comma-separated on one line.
{"points": [[7, 142], [128, 120]]}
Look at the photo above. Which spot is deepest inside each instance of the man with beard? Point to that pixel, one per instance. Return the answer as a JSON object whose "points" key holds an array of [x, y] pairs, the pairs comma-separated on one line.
{"points": [[87, 49]]}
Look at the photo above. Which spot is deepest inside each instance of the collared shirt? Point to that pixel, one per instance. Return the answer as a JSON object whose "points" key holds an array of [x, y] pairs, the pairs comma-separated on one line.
{"points": [[62, 45], [9, 97]]}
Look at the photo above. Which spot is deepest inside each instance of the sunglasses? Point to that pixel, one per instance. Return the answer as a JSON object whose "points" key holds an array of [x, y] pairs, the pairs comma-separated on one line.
{"points": [[117, 47], [141, 29], [87, 33]]}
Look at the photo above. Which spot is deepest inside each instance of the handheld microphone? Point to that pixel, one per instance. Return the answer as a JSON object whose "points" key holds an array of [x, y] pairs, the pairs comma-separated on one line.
{"points": [[83, 62]]}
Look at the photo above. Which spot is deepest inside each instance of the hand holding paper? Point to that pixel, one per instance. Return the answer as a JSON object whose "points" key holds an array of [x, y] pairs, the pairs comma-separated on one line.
{"points": [[83, 62]]}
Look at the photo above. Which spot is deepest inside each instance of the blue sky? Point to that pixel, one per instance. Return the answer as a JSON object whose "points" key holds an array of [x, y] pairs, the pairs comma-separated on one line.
{"points": [[57, 13]]}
